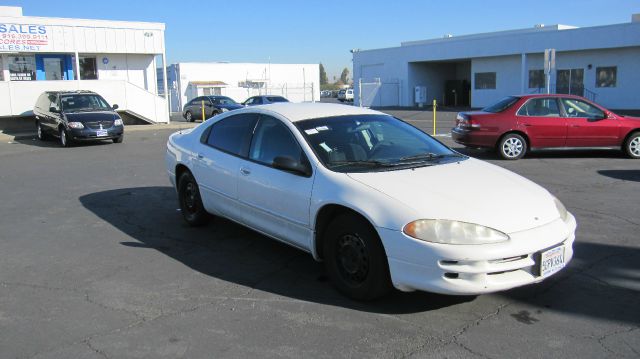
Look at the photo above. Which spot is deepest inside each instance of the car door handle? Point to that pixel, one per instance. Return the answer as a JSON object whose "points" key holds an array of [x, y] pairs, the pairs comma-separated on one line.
{"points": [[200, 156], [245, 171], [574, 125], [527, 125]]}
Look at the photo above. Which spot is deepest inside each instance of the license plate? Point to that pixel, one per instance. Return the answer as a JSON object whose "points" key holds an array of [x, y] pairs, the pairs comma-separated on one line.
{"points": [[102, 133], [551, 261]]}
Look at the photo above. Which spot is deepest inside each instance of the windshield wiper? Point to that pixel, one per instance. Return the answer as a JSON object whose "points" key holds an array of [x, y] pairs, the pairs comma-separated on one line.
{"points": [[427, 156], [367, 163]]}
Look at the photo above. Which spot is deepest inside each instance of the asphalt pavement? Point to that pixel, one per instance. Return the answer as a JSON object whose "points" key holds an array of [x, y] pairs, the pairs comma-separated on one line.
{"points": [[96, 262]]}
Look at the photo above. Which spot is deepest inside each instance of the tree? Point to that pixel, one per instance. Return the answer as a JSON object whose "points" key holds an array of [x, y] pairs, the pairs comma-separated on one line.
{"points": [[344, 76], [323, 76]]}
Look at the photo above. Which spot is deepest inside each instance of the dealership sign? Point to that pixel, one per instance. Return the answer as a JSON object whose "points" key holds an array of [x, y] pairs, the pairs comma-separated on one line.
{"points": [[24, 37]]}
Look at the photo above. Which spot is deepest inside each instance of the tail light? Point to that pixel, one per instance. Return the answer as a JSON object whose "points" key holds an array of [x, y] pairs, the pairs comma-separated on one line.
{"points": [[464, 121]]}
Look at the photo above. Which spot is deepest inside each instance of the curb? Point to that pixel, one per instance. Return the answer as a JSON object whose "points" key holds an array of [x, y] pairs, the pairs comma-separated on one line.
{"points": [[129, 128]]}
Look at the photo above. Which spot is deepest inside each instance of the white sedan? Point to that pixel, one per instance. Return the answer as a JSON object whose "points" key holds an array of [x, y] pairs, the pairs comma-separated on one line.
{"points": [[380, 202]]}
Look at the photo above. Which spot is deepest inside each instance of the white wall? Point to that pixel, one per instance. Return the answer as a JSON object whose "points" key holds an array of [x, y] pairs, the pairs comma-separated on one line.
{"points": [[137, 69], [507, 69], [284, 78]]}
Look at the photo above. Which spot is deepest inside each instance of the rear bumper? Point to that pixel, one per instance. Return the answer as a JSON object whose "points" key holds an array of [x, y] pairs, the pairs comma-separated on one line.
{"points": [[473, 138]]}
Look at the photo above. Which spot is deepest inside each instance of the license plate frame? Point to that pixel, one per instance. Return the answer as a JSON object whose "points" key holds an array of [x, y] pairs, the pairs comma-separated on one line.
{"points": [[102, 133], [552, 260]]}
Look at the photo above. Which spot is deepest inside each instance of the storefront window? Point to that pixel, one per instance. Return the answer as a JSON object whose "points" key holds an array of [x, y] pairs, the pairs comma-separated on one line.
{"points": [[485, 80], [22, 68], [88, 68]]}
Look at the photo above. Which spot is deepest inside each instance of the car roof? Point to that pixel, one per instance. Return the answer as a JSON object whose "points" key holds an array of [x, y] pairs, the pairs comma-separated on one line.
{"points": [[303, 111], [549, 95], [76, 92]]}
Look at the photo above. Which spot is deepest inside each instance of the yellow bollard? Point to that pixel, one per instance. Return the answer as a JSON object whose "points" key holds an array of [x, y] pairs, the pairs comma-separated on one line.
{"points": [[434, 116], [203, 119]]}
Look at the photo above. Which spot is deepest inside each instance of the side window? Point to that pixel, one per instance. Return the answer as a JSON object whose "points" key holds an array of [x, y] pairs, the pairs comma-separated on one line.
{"points": [[232, 135], [577, 108], [53, 102], [257, 100], [249, 101], [272, 139], [42, 102], [540, 107]]}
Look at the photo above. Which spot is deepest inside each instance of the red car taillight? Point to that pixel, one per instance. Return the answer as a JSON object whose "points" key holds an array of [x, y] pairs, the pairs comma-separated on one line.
{"points": [[464, 121]]}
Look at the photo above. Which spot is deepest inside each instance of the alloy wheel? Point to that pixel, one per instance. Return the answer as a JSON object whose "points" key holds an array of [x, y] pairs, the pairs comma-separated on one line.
{"points": [[634, 146], [512, 147]]}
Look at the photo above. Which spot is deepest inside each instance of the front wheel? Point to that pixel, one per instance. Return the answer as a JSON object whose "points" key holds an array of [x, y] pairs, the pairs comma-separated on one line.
{"points": [[355, 259], [118, 139], [64, 138], [189, 116], [512, 147], [190, 201], [42, 135], [632, 145]]}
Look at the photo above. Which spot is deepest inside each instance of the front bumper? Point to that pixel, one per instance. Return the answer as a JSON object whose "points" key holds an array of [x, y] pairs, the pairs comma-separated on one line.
{"points": [[474, 269], [89, 134]]}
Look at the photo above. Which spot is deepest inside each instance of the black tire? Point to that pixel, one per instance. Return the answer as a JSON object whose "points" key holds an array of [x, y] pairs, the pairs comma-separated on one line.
{"points": [[41, 134], [190, 201], [65, 141], [355, 259], [118, 139], [189, 116], [632, 145], [512, 146]]}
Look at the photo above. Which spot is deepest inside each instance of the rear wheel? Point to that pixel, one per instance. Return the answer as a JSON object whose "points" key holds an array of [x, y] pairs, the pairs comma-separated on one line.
{"points": [[512, 147], [355, 259], [632, 145], [189, 116], [190, 201]]}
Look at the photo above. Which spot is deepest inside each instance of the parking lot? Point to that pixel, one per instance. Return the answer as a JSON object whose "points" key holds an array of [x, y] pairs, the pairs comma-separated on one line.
{"points": [[96, 262]]}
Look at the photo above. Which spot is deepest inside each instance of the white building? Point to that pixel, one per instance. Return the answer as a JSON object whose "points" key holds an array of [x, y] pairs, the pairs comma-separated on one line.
{"points": [[296, 82], [116, 59], [601, 63]]}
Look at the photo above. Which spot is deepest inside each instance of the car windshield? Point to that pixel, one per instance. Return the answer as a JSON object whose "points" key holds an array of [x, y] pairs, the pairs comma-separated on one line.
{"points": [[501, 105], [277, 99], [370, 143], [71, 103], [223, 101]]}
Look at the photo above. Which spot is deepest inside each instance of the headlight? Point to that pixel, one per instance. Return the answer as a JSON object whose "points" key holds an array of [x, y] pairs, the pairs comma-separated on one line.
{"points": [[225, 109], [452, 232], [118, 122], [76, 125], [564, 214]]}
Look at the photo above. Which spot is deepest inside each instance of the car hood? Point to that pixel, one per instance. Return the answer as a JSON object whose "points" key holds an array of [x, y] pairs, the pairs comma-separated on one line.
{"points": [[470, 191], [230, 106], [91, 116]]}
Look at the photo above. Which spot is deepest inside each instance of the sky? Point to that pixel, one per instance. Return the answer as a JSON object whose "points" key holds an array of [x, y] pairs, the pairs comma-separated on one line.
{"points": [[310, 31]]}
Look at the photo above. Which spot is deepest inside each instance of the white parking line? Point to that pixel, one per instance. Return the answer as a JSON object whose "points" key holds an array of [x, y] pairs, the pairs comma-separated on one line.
{"points": [[442, 135]]}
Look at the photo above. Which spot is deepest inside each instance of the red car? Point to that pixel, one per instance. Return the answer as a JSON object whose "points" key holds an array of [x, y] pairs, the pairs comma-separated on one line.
{"points": [[516, 124]]}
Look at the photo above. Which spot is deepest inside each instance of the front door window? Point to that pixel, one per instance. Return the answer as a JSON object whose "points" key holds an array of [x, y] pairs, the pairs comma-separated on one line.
{"points": [[52, 68], [570, 81]]}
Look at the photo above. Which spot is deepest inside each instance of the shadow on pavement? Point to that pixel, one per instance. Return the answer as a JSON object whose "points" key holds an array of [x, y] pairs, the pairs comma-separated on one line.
{"points": [[626, 175], [233, 253], [602, 281], [489, 154]]}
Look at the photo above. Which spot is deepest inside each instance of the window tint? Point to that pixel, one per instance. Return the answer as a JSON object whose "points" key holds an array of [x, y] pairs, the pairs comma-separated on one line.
{"points": [[536, 79], [485, 80], [577, 108], [501, 105], [277, 99], [272, 139], [233, 134], [53, 102], [541, 107], [606, 76]]}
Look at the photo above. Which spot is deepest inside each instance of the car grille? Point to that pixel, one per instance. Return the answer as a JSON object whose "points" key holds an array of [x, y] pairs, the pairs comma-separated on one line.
{"points": [[95, 125]]}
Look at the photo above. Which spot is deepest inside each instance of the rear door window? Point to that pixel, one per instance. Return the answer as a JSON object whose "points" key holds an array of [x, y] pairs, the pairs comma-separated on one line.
{"points": [[233, 134], [540, 107]]}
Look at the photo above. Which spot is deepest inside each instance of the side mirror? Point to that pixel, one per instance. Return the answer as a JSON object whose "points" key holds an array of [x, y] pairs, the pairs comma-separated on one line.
{"points": [[115, 107], [287, 163], [53, 109]]}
